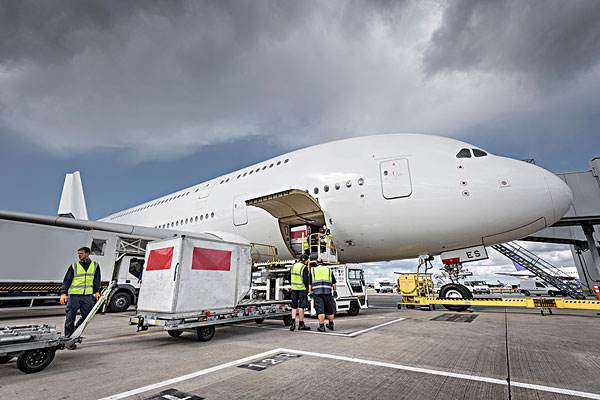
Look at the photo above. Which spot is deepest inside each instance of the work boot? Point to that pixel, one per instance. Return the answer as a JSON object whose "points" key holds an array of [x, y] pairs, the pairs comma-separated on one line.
{"points": [[302, 327], [293, 326], [330, 325], [321, 328]]}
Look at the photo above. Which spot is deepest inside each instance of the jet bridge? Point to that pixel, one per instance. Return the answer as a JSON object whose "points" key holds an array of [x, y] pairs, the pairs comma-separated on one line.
{"points": [[580, 227]]}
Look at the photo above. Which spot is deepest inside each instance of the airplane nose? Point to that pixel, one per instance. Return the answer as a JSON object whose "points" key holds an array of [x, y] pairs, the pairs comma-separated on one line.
{"points": [[560, 193]]}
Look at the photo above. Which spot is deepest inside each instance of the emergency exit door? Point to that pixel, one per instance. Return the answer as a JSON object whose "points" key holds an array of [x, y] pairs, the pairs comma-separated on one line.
{"points": [[395, 178]]}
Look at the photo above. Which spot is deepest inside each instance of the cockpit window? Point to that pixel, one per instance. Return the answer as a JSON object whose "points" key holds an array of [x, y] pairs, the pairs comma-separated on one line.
{"points": [[479, 153], [464, 153]]}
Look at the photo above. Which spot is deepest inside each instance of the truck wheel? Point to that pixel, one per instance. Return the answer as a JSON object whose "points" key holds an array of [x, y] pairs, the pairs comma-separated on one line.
{"points": [[377, 290], [526, 292], [455, 291], [174, 332], [287, 320], [354, 309], [31, 361], [205, 333], [551, 293], [119, 302], [259, 320], [5, 359]]}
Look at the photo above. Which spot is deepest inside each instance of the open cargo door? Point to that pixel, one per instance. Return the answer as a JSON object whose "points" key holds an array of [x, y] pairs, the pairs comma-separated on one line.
{"points": [[291, 207]]}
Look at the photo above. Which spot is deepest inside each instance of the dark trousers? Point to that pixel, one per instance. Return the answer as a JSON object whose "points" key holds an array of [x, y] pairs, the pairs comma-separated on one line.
{"points": [[83, 303]]}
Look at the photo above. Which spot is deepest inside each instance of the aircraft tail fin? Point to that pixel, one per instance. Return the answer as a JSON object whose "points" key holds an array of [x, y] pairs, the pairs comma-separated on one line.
{"points": [[518, 266], [72, 200]]}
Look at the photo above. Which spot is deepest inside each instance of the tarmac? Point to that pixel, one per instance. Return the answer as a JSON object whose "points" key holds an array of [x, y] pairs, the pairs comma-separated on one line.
{"points": [[383, 353]]}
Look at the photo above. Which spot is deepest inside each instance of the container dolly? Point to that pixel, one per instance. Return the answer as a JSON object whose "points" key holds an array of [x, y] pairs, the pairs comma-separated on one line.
{"points": [[35, 345], [203, 323]]}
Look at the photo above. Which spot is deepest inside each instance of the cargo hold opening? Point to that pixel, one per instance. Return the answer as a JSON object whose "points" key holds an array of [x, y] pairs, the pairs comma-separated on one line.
{"points": [[297, 212]]}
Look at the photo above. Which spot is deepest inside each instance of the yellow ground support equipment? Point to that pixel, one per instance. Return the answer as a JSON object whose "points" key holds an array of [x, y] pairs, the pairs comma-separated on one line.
{"points": [[418, 290]]}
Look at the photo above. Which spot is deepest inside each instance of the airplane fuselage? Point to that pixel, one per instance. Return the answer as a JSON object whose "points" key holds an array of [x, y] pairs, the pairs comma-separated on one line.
{"points": [[383, 197]]}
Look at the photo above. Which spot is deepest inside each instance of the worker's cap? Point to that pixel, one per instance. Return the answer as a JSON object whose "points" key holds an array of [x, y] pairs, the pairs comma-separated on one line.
{"points": [[303, 257]]}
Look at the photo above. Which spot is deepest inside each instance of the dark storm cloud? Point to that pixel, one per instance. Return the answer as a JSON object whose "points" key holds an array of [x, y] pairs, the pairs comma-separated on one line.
{"points": [[550, 40]]}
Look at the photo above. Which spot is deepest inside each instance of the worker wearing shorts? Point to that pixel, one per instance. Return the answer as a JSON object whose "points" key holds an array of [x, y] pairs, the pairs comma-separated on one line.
{"points": [[299, 281], [322, 288]]}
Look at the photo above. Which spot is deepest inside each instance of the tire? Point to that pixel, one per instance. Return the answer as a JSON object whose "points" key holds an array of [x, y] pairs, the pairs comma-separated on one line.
{"points": [[259, 320], [32, 361], [354, 309], [377, 290], [205, 333], [526, 292], [175, 332], [5, 359], [455, 291], [119, 302], [287, 320], [551, 293]]}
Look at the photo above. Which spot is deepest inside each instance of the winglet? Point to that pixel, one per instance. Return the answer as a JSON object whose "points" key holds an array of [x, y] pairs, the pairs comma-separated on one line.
{"points": [[72, 200]]}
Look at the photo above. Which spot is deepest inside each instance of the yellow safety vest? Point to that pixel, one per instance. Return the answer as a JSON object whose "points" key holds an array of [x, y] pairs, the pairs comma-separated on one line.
{"points": [[297, 282], [83, 281], [322, 280]]}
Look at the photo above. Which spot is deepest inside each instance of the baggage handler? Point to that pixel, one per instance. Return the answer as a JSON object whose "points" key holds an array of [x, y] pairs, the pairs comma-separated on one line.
{"points": [[82, 284], [299, 280], [322, 289]]}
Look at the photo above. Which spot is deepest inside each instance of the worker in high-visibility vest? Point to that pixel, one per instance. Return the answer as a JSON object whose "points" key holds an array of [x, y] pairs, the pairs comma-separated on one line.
{"points": [[82, 285], [299, 284], [322, 290]]}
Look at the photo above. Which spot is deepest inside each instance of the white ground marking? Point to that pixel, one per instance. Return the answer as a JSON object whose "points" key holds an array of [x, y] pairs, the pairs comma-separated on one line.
{"points": [[477, 378], [329, 333], [190, 376]]}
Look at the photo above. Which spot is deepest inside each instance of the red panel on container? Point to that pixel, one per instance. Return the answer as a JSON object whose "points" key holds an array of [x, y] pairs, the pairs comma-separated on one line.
{"points": [[160, 259], [298, 234], [211, 259], [454, 260]]}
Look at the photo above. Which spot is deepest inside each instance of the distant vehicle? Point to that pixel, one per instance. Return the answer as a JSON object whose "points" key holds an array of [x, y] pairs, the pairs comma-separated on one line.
{"points": [[383, 285], [478, 287], [537, 287]]}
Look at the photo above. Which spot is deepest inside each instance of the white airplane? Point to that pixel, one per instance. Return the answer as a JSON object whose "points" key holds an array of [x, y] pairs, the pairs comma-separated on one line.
{"points": [[565, 273], [383, 197]]}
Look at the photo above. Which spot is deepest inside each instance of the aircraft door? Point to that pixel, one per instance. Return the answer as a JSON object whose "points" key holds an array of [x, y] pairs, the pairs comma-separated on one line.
{"points": [[240, 213], [395, 178]]}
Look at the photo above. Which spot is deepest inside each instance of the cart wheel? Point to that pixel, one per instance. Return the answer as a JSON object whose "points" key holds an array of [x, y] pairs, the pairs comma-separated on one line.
{"points": [[31, 361], [287, 320], [259, 320], [354, 309], [175, 332], [455, 291], [5, 359], [205, 333]]}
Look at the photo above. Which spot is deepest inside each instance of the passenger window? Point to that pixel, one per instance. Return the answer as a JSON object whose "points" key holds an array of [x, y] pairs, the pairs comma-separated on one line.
{"points": [[464, 153], [278, 162], [212, 214], [286, 160], [98, 247], [361, 181], [337, 186], [348, 184], [479, 153], [326, 188], [316, 190]]}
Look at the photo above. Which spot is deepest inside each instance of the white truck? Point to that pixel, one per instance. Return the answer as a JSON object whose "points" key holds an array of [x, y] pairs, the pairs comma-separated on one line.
{"points": [[383, 285], [271, 281], [535, 286], [478, 287], [36, 251]]}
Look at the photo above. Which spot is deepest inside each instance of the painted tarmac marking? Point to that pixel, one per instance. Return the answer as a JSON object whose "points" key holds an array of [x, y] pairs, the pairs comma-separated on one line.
{"points": [[193, 375], [351, 334], [495, 381]]}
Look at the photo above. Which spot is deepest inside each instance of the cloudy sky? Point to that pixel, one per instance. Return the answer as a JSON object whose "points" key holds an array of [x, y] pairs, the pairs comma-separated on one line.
{"points": [[146, 97]]}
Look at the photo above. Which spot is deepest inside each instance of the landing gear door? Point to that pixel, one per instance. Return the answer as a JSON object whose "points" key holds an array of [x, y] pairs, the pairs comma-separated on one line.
{"points": [[240, 213], [395, 178]]}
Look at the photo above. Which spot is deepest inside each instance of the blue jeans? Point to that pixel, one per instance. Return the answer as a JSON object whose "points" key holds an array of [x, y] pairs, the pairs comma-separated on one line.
{"points": [[82, 302]]}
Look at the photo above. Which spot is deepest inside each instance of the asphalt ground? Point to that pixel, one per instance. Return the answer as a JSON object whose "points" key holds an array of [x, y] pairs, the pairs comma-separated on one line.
{"points": [[382, 353]]}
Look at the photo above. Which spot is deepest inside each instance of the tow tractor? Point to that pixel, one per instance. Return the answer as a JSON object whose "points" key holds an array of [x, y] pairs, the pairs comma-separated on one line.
{"points": [[35, 345], [418, 291]]}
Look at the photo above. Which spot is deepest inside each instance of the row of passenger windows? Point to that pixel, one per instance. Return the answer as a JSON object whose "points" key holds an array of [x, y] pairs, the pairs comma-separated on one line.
{"points": [[186, 221], [338, 185], [247, 173], [466, 153], [252, 171]]}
